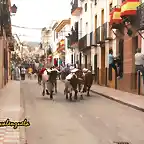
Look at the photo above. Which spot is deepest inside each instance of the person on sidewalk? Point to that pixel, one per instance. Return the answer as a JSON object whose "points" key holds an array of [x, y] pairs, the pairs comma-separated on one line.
{"points": [[17, 71], [111, 64], [119, 67], [23, 72], [139, 62]]}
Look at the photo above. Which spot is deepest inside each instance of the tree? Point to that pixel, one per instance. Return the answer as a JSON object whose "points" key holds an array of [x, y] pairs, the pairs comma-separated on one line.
{"points": [[15, 58]]}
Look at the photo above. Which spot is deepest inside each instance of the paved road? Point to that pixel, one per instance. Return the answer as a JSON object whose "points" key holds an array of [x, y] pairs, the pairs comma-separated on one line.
{"points": [[95, 120]]}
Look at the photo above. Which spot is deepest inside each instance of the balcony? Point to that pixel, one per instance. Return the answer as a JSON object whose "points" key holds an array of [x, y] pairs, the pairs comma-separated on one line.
{"points": [[115, 19], [100, 35], [140, 17], [107, 31], [73, 38], [76, 9], [128, 8], [91, 38], [83, 43]]}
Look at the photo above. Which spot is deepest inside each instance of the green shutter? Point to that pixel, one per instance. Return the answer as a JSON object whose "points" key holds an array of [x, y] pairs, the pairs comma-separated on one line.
{"points": [[68, 43]]}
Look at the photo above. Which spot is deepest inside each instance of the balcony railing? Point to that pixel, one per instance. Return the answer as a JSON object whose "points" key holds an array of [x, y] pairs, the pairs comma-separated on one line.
{"points": [[74, 35], [102, 38], [83, 43], [107, 32], [140, 17], [91, 38], [97, 35]]}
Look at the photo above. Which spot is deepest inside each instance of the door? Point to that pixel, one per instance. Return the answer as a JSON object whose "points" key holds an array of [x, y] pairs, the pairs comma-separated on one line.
{"points": [[103, 65], [134, 76], [95, 67], [85, 61], [80, 59], [72, 59]]}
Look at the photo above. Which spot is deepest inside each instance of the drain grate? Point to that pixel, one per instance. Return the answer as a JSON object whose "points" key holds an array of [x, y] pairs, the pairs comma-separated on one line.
{"points": [[121, 142]]}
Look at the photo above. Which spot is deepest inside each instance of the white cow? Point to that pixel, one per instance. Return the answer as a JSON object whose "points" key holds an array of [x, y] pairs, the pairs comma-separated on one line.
{"points": [[71, 84]]}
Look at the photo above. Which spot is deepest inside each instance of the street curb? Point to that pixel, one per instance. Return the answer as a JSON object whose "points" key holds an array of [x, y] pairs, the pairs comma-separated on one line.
{"points": [[119, 101]]}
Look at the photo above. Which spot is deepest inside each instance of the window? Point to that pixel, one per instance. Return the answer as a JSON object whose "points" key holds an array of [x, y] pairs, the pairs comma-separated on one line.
{"points": [[80, 27], [85, 7], [95, 2], [86, 27]]}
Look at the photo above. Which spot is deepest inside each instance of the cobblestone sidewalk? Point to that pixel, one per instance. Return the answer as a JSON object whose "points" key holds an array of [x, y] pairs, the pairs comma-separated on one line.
{"points": [[11, 108], [129, 99]]}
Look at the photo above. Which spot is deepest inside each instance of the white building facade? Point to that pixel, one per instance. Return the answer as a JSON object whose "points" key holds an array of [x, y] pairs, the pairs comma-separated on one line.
{"points": [[94, 35], [82, 13], [59, 41]]}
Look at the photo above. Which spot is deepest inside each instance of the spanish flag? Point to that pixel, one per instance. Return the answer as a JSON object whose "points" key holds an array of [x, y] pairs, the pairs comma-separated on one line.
{"points": [[129, 7]]}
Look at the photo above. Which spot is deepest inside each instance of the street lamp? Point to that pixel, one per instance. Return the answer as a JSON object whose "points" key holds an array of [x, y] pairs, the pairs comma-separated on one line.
{"points": [[14, 9]]}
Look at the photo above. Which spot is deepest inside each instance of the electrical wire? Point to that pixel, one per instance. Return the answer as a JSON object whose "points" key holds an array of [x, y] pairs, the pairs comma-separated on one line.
{"points": [[26, 27]]}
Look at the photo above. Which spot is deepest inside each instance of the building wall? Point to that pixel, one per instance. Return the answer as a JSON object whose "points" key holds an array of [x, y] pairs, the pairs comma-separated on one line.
{"points": [[142, 44], [1, 62], [86, 18]]}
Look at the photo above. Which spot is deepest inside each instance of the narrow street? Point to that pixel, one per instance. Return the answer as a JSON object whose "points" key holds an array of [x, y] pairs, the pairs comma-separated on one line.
{"points": [[95, 120]]}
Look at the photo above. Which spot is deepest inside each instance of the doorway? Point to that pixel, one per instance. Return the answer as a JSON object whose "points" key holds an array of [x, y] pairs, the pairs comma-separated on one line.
{"points": [[95, 66], [103, 65], [134, 48], [85, 61], [72, 59], [80, 59]]}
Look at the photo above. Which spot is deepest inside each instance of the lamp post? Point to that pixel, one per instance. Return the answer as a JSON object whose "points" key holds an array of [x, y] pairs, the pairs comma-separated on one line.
{"points": [[14, 9]]}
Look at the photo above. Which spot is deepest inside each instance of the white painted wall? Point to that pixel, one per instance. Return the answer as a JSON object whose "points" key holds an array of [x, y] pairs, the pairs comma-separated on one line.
{"points": [[53, 42], [103, 4]]}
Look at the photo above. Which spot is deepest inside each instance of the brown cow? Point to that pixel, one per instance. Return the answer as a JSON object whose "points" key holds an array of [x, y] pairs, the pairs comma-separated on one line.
{"points": [[85, 81]]}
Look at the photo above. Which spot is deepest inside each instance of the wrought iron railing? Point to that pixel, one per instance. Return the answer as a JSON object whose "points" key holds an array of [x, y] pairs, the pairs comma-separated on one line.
{"points": [[98, 35], [91, 38], [102, 38], [140, 17], [83, 42], [105, 26]]}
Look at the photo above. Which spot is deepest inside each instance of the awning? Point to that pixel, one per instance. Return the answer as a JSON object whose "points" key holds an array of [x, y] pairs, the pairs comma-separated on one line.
{"points": [[129, 7], [115, 16]]}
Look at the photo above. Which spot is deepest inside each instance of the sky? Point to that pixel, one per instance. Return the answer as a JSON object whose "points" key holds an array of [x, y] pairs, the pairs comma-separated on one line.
{"points": [[37, 14]]}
